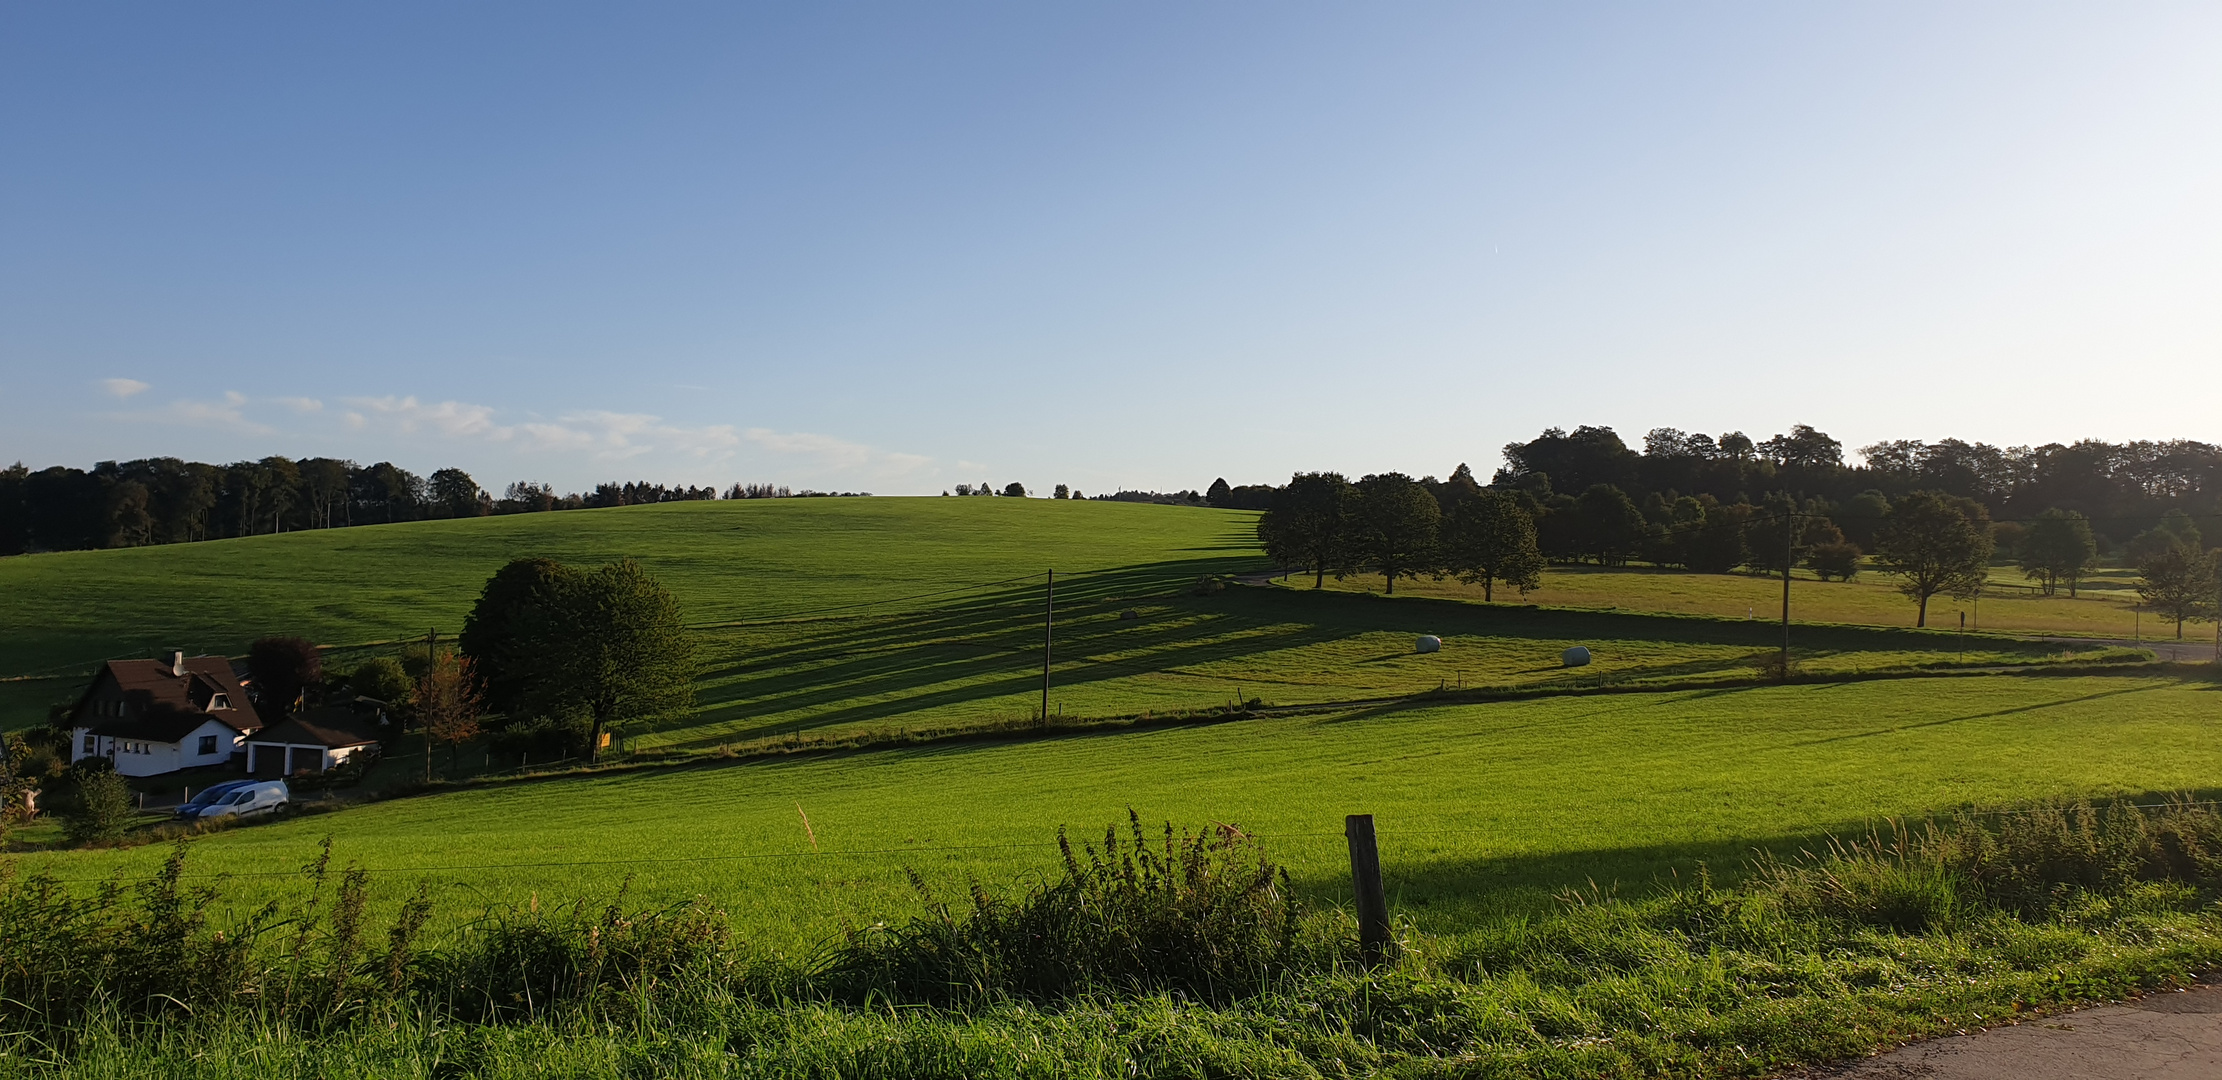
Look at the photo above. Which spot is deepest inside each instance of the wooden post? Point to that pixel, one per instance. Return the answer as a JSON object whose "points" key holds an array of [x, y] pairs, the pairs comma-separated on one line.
{"points": [[1365, 877], [1049, 624]]}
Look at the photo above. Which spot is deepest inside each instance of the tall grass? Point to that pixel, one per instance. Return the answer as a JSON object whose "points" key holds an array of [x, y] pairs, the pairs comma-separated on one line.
{"points": [[1203, 914], [1175, 955]]}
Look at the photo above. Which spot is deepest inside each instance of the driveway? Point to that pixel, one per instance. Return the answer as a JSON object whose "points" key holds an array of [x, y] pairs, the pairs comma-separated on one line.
{"points": [[2165, 1036]]}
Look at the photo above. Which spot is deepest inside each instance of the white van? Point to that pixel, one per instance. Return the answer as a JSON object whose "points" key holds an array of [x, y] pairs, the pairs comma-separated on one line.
{"points": [[260, 797]]}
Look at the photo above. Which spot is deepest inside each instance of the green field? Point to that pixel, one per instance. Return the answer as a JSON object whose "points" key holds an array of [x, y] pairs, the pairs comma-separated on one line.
{"points": [[859, 618], [824, 615], [2105, 608], [1479, 806], [61, 613]]}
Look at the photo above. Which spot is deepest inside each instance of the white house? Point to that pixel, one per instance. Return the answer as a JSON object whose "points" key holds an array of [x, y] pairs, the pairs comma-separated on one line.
{"points": [[153, 717]]}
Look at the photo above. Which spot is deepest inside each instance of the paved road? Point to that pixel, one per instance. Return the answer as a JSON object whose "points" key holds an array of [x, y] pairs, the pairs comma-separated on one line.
{"points": [[2166, 1036]]}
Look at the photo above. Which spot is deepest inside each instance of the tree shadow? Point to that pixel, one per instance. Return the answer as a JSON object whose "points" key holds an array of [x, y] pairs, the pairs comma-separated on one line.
{"points": [[1454, 893], [816, 673]]}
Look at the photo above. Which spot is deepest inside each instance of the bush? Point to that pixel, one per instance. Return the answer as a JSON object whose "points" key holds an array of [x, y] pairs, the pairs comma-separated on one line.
{"points": [[98, 805], [1205, 915]]}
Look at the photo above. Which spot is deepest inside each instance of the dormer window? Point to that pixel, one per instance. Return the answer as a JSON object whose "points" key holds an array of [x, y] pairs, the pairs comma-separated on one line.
{"points": [[219, 703]]}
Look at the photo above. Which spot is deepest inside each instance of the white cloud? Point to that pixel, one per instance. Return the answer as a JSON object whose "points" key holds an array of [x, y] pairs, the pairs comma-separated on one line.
{"points": [[227, 414], [593, 435], [608, 436], [123, 388], [837, 454]]}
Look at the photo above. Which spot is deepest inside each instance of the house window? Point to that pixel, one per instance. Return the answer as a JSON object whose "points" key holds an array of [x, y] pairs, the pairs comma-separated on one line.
{"points": [[92, 744], [219, 702], [208, 742]]}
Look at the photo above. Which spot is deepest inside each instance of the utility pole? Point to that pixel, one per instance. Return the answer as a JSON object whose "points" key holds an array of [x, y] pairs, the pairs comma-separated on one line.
{"points": [[431, 662], [1049, 624], [1789, 552]]}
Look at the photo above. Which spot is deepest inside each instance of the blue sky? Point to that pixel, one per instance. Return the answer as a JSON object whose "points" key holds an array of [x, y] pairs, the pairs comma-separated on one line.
{"points": [[896, 247]]}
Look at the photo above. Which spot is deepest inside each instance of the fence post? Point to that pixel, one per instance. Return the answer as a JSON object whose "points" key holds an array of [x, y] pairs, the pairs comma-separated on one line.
{"points": [[1365, 877]]}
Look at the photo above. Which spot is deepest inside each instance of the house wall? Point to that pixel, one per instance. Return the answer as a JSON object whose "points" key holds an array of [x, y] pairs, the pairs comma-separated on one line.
{"points": [[151, 759], [160, 758]]}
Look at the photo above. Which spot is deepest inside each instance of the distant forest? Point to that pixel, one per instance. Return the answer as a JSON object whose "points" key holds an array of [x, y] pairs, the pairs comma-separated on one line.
{"points": [[169, 501], [2124, 489]]}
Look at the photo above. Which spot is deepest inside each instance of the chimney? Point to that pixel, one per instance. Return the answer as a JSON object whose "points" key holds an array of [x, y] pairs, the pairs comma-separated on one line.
{"points": [[177, 662]]}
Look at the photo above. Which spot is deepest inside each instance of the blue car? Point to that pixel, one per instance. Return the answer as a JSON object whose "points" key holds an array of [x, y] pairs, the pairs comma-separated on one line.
{"points": [[209, 796]]}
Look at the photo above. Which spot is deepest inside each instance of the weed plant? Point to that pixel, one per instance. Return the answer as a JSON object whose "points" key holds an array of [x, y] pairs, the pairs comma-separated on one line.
{"points": [[1201, 914]]}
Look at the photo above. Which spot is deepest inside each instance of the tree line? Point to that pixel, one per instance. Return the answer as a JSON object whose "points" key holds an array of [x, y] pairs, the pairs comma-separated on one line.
{"points": [[170, 501], [1921, 512]]}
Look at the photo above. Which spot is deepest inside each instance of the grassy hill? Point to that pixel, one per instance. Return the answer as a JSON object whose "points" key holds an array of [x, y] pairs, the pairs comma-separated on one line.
{"points": [[1480, 806], [823, 615], [830, 616], [61, 613]]}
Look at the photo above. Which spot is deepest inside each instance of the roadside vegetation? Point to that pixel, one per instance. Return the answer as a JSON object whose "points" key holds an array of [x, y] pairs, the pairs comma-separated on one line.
{"points": [[1149, 955]]}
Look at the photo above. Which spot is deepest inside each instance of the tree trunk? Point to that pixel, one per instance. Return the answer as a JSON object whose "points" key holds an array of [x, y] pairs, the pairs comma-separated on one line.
{"points": [[1391, 575], [594, 739], [1488, 590], [1922, 619]]}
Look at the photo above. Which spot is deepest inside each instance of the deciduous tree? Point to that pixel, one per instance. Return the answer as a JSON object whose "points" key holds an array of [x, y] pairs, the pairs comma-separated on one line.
{"points": [[2179, 582], [1607, 525], [448, 704], [610, 642], [493, 632], [456, 495], [1935, 544], [1310, 524], [1489, 538], [282, 667], [1398, 519], [2057, 547]]}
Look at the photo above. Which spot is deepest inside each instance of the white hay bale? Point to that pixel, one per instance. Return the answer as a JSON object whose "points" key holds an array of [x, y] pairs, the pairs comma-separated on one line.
{"points": [[1428, 643], [1578, 656]]}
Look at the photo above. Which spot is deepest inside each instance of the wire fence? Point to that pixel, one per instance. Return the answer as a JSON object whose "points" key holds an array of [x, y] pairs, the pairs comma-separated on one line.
{"points": [[1388, 834]]}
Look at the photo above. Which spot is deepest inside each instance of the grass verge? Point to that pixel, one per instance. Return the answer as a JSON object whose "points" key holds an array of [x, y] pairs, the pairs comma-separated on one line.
{"points": [[1867, 942]]}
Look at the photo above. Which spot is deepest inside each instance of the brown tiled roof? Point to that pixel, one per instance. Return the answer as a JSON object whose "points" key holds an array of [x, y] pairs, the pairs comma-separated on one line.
{"points": [[166, 707], [320, 727]]}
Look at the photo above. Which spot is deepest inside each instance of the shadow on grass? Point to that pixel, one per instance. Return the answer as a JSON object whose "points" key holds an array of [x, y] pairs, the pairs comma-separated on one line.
{"points": [[1450, 894], [873, 668], [2033, 707]]}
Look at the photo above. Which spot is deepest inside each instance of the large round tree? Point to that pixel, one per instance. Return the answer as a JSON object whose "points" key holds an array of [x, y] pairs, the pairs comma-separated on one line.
{"points": [[1936, 544], [609, 643]]}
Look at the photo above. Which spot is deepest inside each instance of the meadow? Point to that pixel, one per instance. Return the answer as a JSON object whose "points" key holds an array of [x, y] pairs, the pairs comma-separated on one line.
{"points": [[753, 560], [821, 616], [1540, 836], [1483, 808], [2105, 607]]}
